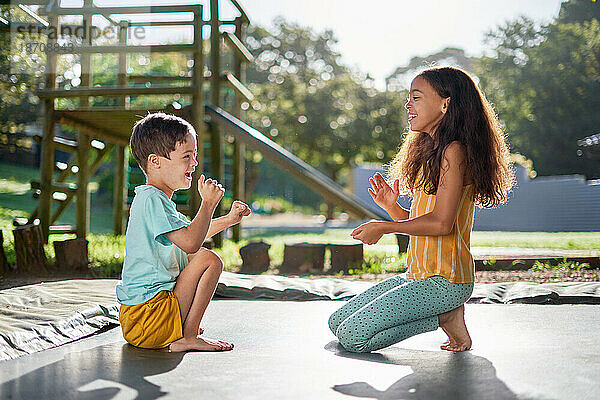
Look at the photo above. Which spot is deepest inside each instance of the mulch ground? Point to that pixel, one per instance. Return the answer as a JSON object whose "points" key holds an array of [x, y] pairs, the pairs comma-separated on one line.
{"points": [[549, 276]]}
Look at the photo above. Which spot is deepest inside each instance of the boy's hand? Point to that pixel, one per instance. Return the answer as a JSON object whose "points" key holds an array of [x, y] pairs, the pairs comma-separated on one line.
{"points": [[238, 211], [210, 190]]}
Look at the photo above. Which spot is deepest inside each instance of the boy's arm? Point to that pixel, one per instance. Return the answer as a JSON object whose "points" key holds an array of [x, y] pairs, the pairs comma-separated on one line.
{"points": [[190, 238], [218, 225], [235, 215]]}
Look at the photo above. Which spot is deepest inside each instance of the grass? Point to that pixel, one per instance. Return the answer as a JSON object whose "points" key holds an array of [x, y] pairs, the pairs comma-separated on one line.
{"points": [[538, 240], [563, 265], [106, 251]]}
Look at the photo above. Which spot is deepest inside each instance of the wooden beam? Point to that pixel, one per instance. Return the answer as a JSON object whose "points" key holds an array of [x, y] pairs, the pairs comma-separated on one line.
{"points": [[236, 45], [93, 168], [176, 23], [83, 194], [197, 108], [62, 229], [107, 134], [119, 192], [86, 59], [151, 78], [122, 78], [216, 141], [243, 16], [119, 10], [110, 49], [47, 151], [238, 86], [112, 91], [56, 186], [239, 149]]}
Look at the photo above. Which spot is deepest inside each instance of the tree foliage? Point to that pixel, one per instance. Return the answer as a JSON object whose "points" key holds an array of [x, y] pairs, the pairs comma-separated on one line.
{"points": [[317, 108], [545, 85]]}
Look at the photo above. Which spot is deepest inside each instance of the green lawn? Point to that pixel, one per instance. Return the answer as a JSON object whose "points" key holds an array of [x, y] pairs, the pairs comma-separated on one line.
{"points": [[106, 251]]}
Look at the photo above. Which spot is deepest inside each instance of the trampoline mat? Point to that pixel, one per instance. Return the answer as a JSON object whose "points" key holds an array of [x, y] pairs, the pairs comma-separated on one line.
{"points": [[284, 350], [45, 315]]}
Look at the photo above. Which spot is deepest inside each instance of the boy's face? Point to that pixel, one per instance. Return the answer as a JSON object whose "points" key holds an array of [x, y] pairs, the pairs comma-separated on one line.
{"points": [[176, 171]]}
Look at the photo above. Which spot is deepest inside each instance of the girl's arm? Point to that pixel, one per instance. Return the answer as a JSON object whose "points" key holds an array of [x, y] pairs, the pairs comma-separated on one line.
{"points": [[398, 213], [438, 222]]}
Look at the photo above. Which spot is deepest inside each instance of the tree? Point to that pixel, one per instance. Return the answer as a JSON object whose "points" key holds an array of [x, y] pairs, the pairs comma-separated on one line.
{"points": [[578, 11], [545, 85], [315, 107]]}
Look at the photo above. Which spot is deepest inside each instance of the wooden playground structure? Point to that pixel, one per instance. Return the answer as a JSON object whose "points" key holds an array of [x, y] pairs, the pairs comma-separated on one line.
{"points": [[101, 130]]}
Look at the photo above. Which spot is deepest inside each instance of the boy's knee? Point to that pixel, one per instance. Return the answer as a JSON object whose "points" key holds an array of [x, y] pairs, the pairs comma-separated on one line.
{"points": [[207, 257], [214, 259]]}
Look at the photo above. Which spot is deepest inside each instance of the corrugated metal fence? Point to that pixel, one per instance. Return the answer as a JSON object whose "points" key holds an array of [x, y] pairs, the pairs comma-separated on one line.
{"points": [[548, 204]]}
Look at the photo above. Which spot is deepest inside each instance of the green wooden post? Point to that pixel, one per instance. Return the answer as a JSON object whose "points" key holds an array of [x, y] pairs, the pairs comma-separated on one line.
{"points": [[197, 111], [119, 194], [86, 66], [216, 142], [83, 194], [239, 150], [47, 152], [82, 214]]}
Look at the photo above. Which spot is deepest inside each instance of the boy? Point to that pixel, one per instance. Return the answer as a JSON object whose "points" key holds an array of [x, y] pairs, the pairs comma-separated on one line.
{"points": [[168, 278]]}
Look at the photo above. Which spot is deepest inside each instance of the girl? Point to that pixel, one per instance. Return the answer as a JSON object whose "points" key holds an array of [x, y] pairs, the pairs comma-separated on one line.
{"points": [[455, 156]]}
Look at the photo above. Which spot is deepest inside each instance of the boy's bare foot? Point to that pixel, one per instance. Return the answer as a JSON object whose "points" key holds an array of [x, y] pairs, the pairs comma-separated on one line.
{"points": [[198, 344], [453, 323]]}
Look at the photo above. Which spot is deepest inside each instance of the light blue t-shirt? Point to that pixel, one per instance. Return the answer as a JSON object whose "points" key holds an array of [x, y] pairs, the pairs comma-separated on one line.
{"points": [[152, 261]]}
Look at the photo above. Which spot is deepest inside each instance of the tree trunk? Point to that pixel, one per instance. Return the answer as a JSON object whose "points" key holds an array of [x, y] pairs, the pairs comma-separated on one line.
{"points": [[255, 258], [345, 257], [72, 254], [29, 249], [4, 265], [303, 258]]}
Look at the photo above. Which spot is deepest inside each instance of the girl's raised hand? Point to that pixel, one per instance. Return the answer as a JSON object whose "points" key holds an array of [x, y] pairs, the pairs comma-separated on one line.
{"points": [[383, 194]]}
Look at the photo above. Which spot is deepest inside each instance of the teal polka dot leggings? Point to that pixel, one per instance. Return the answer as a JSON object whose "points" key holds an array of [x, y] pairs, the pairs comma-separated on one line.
{"points": [[394, 310]]}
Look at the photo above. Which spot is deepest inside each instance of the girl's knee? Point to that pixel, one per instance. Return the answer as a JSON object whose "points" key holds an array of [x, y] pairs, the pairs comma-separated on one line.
{"points": [[334, 322], [350, 340]]}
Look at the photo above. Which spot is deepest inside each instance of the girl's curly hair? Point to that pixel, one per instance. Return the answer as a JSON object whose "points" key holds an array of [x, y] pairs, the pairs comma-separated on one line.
{"points": [[469, 120]]}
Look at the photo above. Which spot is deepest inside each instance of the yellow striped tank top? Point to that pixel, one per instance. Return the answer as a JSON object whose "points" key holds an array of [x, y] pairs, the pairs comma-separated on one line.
{"points": [[448, 256]]}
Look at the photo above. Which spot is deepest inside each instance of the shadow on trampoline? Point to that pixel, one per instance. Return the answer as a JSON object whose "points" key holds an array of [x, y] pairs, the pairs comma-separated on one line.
{"points": [[437, 375], [102, 372]]}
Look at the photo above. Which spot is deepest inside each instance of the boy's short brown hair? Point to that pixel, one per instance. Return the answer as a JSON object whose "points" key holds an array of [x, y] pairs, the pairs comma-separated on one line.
{"points": [[158, 133]]}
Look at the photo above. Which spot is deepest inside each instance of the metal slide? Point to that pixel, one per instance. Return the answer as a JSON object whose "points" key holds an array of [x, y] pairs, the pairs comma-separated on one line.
{"points": [[280, 157]]}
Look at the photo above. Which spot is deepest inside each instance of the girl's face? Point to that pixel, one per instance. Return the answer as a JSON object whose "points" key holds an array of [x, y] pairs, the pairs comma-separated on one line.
{"points": [[425, 106]]}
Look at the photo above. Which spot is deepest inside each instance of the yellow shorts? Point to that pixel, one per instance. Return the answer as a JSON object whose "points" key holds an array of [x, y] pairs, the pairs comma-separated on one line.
{"points": [[154, 324]]}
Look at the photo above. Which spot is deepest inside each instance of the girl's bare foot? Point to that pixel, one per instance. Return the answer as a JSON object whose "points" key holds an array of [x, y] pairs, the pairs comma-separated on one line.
{"points": [[198, 344], [453, 323]]}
